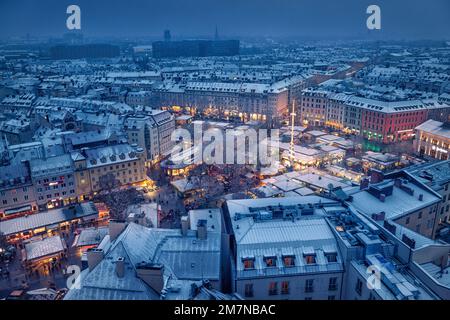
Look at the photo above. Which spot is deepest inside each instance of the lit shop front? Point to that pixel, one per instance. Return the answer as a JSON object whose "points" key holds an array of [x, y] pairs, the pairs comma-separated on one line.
{"points": [[175, 170], [60, 202], [49, 223], [12, 213]]}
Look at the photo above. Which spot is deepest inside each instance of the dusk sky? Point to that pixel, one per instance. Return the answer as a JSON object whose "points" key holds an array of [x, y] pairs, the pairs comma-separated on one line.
{"points": [[403, 19]]}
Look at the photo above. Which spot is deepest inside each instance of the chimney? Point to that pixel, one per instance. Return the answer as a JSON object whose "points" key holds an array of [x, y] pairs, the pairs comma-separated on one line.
{"points": [[376, 176], [201, 229], [184, 225], [115, 228], [382, 197], [152, 274], [421, 197], [364, 183], [94, 256], [379, 216], [120, 267]]}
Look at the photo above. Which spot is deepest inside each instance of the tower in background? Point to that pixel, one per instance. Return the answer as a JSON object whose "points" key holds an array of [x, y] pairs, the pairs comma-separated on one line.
{"points": [[167, 35]]}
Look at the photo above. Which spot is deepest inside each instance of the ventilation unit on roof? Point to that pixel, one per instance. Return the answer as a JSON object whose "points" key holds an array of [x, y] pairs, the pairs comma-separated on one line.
{"points": [[265, 215]]}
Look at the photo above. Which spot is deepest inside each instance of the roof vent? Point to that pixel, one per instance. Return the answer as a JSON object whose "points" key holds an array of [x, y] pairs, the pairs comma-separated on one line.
{"points": [[120, 267]]}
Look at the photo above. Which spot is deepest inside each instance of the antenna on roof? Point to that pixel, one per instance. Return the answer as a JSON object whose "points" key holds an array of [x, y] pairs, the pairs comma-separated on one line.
{"points": [[216, 34]]}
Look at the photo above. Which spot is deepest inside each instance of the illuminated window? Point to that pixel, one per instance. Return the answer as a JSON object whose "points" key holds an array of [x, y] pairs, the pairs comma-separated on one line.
{"points": [[273, 288], [249, 263], [289, 261], [310, 258], [270, 261]]}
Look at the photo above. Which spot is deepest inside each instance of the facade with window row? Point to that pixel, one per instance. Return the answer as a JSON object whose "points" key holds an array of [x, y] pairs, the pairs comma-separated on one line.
{"points": [[375, 120]]}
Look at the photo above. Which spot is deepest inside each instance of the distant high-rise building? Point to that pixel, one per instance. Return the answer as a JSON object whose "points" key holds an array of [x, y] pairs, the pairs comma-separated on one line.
{"points": [[84, 51], [195, 48], [167, 35]]}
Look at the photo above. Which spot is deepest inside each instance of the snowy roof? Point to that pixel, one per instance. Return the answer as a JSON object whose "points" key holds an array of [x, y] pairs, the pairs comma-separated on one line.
{"points": [[267, 191], [321, 181], [396, 205], [316, 133], [328, 137], [396, 283], [13, 175], [434, 174], [184, 259], [435, 127], [89, 137], [47, 218], [133, 74], [91, 236], [53, 165], [184, 185], [288, 185], [304, 191], [420, 240], [442, 275], [213, 218], [244, 207], [44, 247], [150, 210], [108, 155], [268, 236]]}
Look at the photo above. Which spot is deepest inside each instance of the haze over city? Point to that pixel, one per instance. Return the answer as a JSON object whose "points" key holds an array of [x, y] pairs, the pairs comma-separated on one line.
{"points": [[235, 18]]}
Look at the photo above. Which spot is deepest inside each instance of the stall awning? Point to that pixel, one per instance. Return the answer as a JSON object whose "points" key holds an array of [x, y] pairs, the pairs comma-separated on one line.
{"points": [[18, 210]]}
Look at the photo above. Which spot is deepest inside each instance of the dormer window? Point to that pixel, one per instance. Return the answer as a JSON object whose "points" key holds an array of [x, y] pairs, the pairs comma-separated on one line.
{"points": [[331, 256], [289, 260], [270, 261], [249, 263], [310, 258]]}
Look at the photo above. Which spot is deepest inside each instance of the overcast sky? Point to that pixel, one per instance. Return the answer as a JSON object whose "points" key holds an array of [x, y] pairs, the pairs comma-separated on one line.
{"points": [[401, 19]]}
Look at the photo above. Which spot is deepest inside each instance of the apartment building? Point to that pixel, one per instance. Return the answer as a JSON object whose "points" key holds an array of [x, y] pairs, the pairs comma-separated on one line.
{"points": [[106, 168], [152, 132], [313, 107], [310, 247], [246, 101], [18, 103], [436, 175], [282, 250], [17, 195], [165, 124], [401, 199], [16, 131], [372, 119], [138, 98], [53, 181]]}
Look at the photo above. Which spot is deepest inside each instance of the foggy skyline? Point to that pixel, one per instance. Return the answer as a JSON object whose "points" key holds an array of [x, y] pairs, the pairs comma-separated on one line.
{"points": [[408, 20]]}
